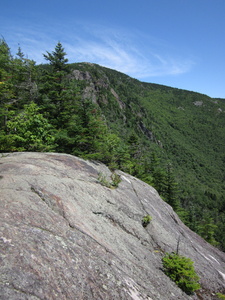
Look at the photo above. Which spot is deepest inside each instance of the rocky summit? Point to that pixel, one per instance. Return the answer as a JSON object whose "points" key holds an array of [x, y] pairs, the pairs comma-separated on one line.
{"points": [[69, 232]]}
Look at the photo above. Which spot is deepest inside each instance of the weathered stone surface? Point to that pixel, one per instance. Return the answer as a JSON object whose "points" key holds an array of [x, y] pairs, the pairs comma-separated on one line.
{"points": [[63, 235]]}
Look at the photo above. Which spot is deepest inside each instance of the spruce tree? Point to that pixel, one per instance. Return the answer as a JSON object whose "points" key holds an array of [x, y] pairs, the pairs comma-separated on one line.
{"points": [[7, 91], [53, 83], [171, 190], [57, 58]]}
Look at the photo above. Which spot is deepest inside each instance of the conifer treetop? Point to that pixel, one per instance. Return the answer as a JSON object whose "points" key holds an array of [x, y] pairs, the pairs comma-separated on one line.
{"points": [[57, 58]]}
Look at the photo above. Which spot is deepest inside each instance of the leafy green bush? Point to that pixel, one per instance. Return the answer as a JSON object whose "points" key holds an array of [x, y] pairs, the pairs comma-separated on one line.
{"points": [[146, 220], [220, 296], [181, 270], [28, 131]]}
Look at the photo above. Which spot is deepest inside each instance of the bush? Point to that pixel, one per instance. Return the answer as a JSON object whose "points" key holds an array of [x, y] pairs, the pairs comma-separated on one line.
{"points": [[116, 179], [146, 220], [181, 270], [103, 181]]}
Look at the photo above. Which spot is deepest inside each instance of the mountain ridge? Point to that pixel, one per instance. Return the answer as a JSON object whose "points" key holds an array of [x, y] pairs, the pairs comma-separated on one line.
{"points": [[184, 127]]}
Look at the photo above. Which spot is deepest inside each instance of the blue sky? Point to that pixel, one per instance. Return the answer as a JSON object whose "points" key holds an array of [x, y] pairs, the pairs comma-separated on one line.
{"points": [[178, 43]]}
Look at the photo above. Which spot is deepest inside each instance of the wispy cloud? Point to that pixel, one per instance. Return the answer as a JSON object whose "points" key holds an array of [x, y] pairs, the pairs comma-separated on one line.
{"points": [[129, 52]]}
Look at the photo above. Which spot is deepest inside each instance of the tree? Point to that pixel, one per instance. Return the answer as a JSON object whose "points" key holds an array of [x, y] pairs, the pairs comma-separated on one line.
{"points": [[171, 188], [5, 60], [24, 78], [57, 58], [6, 81], [88, 128], [83, 131], [20, 53], [109, 149], [181, 270], [206, 229], [28, 131], [53, 83], [134, 146]]}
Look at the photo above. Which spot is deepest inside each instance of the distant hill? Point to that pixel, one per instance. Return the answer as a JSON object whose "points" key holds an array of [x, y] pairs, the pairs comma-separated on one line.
{"points": [[183, 127]]}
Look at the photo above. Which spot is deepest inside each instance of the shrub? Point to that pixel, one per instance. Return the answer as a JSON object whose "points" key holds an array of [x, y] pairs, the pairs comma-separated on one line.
{"points": [[102, 179], [115, 179], [181, 270], [146, 220], [220, 296]]}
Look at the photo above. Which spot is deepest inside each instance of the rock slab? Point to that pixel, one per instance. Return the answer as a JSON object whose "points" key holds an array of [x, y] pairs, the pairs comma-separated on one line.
{"points": [[65, 235]]}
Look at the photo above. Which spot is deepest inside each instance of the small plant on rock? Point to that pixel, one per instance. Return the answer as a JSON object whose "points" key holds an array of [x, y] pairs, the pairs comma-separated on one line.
{"points": [[102, 179], [115, 179], [220, 296], [146, 220], [181, 270], [113, 184]]}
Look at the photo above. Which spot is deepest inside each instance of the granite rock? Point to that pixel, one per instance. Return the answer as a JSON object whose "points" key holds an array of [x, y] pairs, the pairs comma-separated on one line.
{"points": [[65, 235]]}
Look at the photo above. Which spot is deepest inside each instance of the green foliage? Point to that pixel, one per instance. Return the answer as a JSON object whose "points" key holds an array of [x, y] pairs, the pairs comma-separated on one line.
{"points": [[5, 60], [181, 270], [116, 179], [6, 82], [102, 179], [27, 131], [220, 296], [86, 134], [146, 220], [171, 190], [206, 229], [57, 58]]}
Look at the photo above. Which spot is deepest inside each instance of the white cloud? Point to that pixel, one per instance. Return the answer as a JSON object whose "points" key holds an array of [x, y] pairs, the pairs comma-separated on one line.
{"points": [[130, 52]]}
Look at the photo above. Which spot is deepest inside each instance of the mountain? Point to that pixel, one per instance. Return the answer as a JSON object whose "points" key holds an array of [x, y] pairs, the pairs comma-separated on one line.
{"points": [[181, 127], [68, 233], [170, 138]]}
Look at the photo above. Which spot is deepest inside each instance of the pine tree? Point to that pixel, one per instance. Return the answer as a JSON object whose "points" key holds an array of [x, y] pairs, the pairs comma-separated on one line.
{"points": [[57, 58], [171, 188], [181, 270], [5, 60], [7, 91], [53, 83], [24, 75], [206, 229]]}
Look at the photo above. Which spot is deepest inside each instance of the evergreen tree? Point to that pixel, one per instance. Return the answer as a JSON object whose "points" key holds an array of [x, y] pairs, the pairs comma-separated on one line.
{"points": [[24, 75], [53, 83], [57, 58], [83, 132], [206, 229], [181, 270], [20, 53], [134, 145], [171, 188], [7, 91], [5, 60]]}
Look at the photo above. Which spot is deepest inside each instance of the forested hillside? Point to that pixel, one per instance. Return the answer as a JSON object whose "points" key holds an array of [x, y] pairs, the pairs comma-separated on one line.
{"points": [[170, 138]]}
